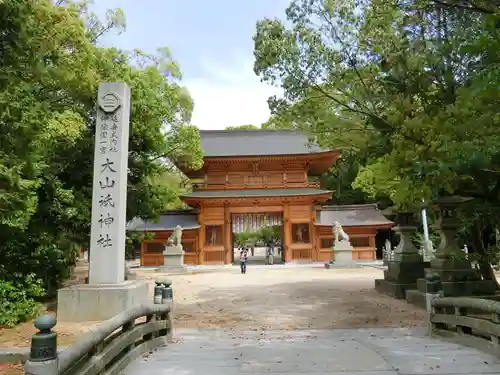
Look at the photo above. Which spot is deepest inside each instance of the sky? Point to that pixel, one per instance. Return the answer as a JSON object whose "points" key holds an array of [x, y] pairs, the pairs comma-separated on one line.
{"points": [[212, 42]]}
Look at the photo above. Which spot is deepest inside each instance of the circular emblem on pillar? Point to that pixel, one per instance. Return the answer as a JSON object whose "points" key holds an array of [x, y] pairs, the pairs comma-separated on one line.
{"points": [[109, 102]]}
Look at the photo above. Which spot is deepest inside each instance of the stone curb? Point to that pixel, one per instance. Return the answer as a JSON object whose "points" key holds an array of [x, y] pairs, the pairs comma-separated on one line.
{"points": [[346, 266], [13, 355], [16, 355]]}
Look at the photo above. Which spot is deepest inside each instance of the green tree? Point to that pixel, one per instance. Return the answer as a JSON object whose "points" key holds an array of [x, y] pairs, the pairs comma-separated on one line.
{"points": [[313, 117], [370, 69], [51, 70], [243, 127], [418, 80]]}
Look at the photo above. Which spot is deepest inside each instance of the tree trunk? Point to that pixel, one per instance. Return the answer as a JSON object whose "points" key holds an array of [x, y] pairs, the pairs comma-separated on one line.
{"points": [[484, 264]]}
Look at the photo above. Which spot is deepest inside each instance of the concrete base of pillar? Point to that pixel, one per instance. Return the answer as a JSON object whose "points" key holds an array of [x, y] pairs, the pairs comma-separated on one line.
{"points": [[87, 302]]}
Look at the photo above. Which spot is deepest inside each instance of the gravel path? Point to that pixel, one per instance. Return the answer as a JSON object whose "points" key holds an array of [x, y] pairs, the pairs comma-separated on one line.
{"points": [[265, 298], [286, 298]]}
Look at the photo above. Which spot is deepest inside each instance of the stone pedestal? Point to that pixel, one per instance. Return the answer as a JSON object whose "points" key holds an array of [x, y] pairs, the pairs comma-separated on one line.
{"points": [[343, 253], [407, 266], [450, 265], [87, 302], [173, 259]]}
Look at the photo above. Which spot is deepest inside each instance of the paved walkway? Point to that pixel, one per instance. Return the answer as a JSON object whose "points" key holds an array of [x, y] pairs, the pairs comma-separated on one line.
{"points": [[342, 351]]}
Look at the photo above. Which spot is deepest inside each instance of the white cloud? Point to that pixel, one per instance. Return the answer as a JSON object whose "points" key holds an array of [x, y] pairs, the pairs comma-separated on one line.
{"points": [[229, 94]]}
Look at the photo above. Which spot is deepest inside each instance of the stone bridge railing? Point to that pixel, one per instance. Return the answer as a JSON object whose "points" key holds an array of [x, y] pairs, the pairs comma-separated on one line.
{"points": [[473, 321], [108, 349]]}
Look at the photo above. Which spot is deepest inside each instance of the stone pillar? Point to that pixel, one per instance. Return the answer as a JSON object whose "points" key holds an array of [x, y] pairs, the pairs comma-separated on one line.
{"points": [[109, 195], [109, 204], [407, 264]]}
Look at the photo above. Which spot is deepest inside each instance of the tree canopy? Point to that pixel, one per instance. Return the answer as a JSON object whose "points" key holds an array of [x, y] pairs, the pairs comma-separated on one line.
{"points": [[51, 68], [243, 127], [408, 87], [410, 82]]}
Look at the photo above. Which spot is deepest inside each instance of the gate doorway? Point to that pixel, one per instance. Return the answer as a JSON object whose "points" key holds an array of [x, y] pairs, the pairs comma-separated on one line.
{"points": [[247, 229]]}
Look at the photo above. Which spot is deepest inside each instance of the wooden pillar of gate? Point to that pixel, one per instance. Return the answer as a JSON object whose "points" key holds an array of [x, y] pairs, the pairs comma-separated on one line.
{"points": [[287, 233], [202, 235], [228, 245], [313, 238]]}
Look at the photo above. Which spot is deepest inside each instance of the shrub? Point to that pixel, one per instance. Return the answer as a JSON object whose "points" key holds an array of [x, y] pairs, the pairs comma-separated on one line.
{"points": [[18, 300], [45, 256]]}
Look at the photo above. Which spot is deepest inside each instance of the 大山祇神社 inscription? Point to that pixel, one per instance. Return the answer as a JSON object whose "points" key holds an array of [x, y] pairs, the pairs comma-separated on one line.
{"points": [[110, 185], [106, 203]]}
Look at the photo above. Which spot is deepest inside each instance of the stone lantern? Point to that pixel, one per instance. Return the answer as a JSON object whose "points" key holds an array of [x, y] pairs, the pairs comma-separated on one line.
{"points": [[407, 266], [450, 265], [450, 261], [405, 227]]}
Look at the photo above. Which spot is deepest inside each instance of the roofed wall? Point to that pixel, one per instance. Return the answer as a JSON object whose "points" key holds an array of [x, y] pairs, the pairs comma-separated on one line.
{"points": [[187, 219], [355, 215]]}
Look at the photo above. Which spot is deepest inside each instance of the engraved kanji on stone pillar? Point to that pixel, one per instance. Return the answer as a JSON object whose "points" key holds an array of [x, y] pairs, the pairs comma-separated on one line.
{"points": [[109, 195]]}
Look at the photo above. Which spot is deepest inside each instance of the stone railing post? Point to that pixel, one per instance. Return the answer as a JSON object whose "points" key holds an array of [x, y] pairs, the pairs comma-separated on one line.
{"points": [[43, 359], [167, 294], [433, 291], [158, 293], [167, 298], [495, 318]]}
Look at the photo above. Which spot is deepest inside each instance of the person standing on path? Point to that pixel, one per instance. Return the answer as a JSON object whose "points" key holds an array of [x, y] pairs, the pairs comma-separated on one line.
{"points": [[243, 260]]}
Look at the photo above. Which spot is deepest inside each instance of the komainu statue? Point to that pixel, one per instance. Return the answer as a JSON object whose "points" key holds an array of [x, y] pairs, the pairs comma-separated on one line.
{"points": [[338, 233], [175, 238]]}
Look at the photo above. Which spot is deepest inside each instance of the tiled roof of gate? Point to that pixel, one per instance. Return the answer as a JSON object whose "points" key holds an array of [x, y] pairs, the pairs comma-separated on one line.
{"points": [[356, 215], [168, 221], [250, 193], [224, 143]]}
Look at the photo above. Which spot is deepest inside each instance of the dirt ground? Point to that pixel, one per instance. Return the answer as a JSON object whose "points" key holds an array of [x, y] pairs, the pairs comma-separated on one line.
{"points": [[288, 298], [264, 298]]}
